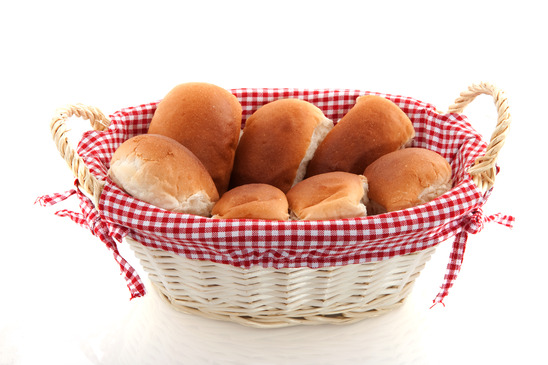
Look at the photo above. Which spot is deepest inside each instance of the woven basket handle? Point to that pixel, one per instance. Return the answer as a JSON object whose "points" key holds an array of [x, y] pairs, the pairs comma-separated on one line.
{"points": [[59, 130], [483, 170]]}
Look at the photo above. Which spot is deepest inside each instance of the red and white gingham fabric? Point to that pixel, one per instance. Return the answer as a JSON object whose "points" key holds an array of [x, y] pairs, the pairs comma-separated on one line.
{"points": [[90, 218], [314, 244]]}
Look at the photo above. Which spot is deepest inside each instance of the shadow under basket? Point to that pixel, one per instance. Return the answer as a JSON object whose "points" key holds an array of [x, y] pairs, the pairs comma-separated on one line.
{"points": [[189, 277]]}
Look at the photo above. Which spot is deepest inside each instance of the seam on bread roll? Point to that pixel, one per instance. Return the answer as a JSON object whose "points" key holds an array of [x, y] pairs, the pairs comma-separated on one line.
{"points": [[322, 129], [333, 195], [277, 143], [432, 192]]}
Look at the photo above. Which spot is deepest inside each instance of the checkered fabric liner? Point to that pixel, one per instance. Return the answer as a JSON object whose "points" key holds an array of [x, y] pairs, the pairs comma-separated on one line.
{"points": [[292, 244]]}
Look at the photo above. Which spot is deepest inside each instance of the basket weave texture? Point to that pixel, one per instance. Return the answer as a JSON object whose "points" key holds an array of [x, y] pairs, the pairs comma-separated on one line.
{"points": [[270, 273]]}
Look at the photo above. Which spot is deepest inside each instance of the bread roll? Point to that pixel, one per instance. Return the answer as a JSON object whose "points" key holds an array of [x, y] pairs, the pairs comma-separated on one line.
{"points": [[332, 195], [207, 120], [406, 178], [373, 127], [277, 143], [252, 201], [162, 172]]}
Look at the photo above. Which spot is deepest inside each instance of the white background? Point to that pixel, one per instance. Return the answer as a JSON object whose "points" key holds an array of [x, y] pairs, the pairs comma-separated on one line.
{"points": [[62, 299]]}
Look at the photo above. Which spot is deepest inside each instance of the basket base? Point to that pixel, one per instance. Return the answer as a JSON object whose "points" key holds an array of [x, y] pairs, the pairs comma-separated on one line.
{"points": [[278, 321], [269, 298]]}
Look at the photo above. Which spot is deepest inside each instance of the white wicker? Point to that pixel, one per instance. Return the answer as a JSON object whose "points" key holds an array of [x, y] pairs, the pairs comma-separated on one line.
{"points": [[268, 297]]}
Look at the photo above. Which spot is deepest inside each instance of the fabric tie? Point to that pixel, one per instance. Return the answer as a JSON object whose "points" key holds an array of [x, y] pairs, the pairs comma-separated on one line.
{"points": [[90, 219], [472, 224]]}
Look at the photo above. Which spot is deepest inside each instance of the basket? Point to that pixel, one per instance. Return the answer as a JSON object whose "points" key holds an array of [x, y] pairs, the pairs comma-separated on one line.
{"points": [[267, 283]]}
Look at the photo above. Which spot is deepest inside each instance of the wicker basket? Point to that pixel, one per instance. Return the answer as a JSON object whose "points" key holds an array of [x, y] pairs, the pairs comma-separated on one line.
{"points": [[276, 297]]}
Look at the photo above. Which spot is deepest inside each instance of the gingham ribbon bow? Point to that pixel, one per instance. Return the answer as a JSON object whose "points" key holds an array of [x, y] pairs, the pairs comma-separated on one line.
{"points": [[472, 224], [89, 218]]}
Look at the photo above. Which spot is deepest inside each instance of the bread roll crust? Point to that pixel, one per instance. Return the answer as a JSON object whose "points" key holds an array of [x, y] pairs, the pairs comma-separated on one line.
{"points": [[206, 119], [164, 173], [373, 127], [252, 201], [275, 145], [332, 195], [406, 178]]}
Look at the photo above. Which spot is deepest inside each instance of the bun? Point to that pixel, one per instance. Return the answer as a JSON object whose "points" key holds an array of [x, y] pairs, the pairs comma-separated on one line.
{"points": [[277, 143], [406, 178], [332, 195], [160, 171], [252, 201], [207, 120], [373, 127]]}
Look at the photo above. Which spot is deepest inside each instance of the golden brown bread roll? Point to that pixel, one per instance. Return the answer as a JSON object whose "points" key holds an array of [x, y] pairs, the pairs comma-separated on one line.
{"points": [[206, 119], [277, 143], [373, 127], [332, 195], [406, 178], [252, 201], [162, 172]]}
